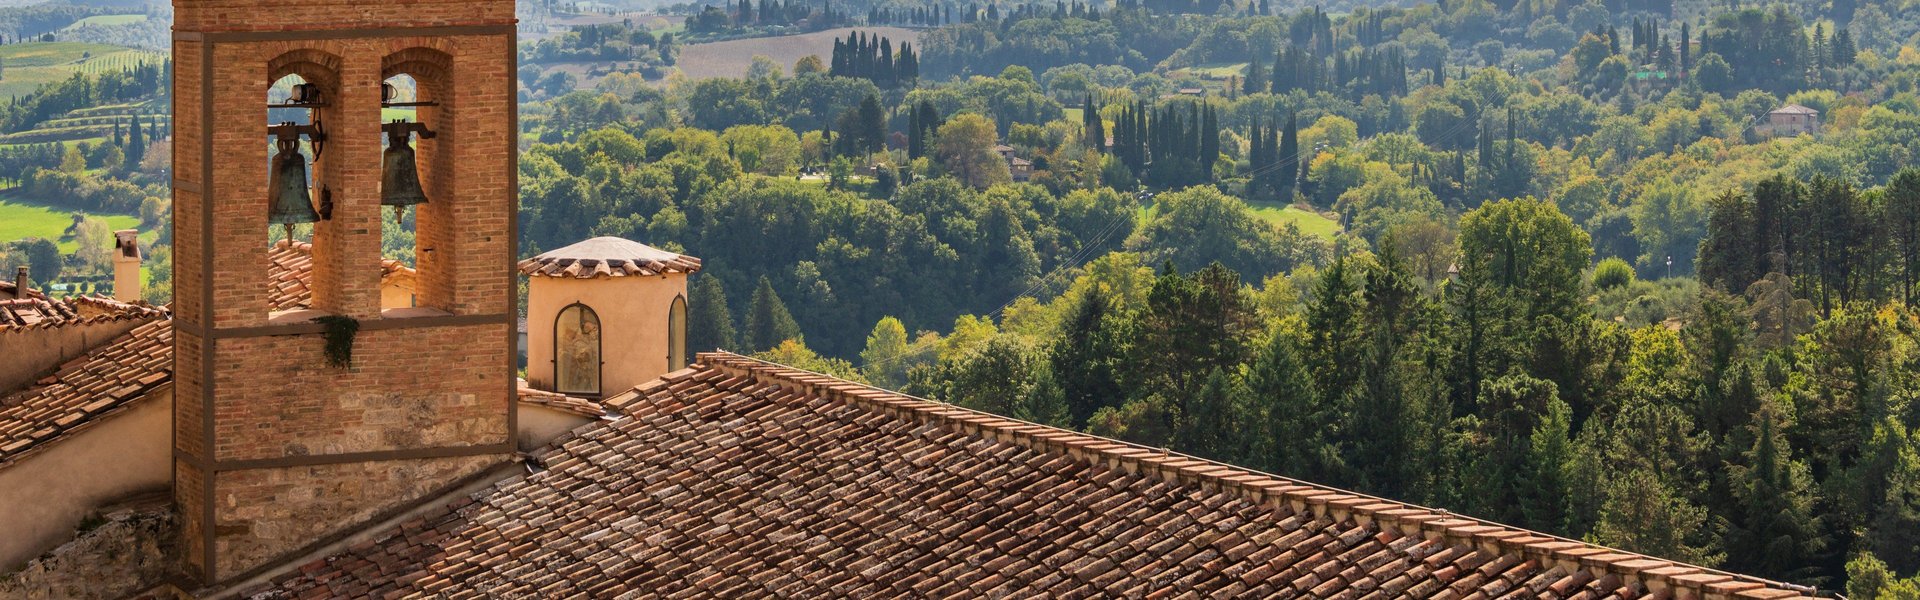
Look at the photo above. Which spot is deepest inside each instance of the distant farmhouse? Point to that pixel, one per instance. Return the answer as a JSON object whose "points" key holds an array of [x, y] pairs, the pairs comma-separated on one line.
{"points": [[1020, 168], [1790, 120]]}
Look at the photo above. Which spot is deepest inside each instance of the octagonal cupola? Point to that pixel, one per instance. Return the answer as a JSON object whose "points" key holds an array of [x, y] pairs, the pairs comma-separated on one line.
{"points": [[604, 315]]}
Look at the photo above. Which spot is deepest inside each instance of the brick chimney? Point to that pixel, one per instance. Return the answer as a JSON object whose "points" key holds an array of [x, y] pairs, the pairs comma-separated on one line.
{"points": [[21, 282], [126, 265]]}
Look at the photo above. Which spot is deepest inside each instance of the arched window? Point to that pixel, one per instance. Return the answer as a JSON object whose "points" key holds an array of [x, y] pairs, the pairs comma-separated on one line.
{"points": [[677, 334], [576, 351]]}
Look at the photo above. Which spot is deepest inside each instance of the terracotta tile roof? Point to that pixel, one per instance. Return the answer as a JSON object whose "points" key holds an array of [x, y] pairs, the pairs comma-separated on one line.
{"points": [[608, 256], [1794, 109], [561, 402], [738, 478], [290, 274], [86, 389], [12, 290], [38, 311], [31, 312]]}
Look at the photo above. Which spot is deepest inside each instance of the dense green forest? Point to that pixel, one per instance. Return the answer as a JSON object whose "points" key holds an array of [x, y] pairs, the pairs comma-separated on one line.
{"points": [[1539, 261], [1573, 279]]}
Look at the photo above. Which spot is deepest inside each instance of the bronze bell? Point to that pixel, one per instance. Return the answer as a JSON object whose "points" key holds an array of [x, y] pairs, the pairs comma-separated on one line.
{"points": [[400, 177], [289, 201]]}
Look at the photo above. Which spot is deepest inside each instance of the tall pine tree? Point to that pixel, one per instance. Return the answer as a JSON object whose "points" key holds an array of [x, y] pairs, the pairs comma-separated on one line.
{"points": [[709, 320], [768, 322]]}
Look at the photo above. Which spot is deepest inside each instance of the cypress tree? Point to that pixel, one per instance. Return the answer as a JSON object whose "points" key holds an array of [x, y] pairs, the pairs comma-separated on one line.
{"points": [[1209, 143], [136, 143], [916, 144], [1256, 160], [872, 133], [886, 77], [1256, 77], [1094, 130], [1288, 162], [1686, 50], [1843, 48], [1142, 137], [768, 322]]}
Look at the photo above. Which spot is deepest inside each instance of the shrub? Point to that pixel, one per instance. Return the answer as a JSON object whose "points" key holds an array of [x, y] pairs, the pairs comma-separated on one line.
{"points": [[1612, 273]]}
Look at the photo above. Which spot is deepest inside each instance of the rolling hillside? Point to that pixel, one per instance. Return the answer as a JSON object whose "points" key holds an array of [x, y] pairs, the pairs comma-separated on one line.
{"points": [[732, 57], [28, 66]]}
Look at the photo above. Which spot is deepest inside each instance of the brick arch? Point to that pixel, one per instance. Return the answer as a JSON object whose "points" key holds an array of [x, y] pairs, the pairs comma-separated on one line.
{"points": [[430, 68], [318, 67]]}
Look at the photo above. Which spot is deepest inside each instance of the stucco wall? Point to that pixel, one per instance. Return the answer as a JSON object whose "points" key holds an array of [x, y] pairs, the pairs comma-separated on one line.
{"points": [[52, 346], [396, 292], [48, 492], [539, 424], [633, 318]]}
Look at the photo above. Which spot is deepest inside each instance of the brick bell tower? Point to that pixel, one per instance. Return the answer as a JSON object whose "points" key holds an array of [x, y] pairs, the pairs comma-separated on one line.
{"points": [[277, 448]]}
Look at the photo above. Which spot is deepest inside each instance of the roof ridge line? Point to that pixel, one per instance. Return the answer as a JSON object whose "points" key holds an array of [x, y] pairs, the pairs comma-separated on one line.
{"points": [[1680, 580], [127, 311]]}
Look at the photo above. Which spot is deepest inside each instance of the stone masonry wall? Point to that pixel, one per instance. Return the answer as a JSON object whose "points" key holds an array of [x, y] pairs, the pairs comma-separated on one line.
{"points": [[116, 555], [265, 513]]}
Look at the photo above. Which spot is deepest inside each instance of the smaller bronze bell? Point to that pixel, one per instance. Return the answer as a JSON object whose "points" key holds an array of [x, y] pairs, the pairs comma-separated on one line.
{"points": [[304, 93], [400, 176], [289, 201]]}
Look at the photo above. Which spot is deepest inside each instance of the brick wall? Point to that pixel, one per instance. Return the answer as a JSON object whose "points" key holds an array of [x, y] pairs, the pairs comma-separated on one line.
{"points": [[245, 15], [407, 388]]}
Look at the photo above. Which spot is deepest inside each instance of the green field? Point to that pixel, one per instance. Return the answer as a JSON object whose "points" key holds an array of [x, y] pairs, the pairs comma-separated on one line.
{"points": [[24, 219], [67, 143], [1218, 71], [108, 20], [1309, 222], [47, 54]]}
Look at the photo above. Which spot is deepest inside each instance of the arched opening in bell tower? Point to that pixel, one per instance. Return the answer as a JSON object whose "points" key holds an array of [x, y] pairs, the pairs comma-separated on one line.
{"points": [[296, 197], [292, 204], [417, 193]]}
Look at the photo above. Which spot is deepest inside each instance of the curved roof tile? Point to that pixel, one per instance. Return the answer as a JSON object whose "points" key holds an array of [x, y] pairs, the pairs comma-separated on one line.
{"points": [[608, 257], [95, 385]]}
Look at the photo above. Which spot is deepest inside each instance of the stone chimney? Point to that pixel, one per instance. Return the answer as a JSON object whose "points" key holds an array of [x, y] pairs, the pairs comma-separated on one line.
{"points": [[126, 265], [21, 282]]}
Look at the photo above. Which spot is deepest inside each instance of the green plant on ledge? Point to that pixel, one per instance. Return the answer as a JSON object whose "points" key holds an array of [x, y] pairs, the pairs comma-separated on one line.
{"points": [[339, 331]]}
